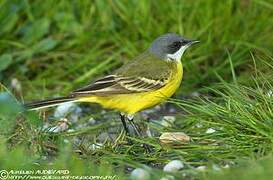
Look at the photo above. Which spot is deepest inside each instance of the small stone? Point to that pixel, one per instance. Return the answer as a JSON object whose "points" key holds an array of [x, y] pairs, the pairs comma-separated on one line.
{"points": [[92, 121], [140, 174], [173, 166], [63, 109], [174, 137], [172, 110], [167, 121], [158, 108], [210, 131], [201, 168], [69, 110], [96, 146], [195, 94], [74, 116], [71, 130], [15, 84], [216, 167], [61, 126], [199, 125], [103, 137], [66, 141]]}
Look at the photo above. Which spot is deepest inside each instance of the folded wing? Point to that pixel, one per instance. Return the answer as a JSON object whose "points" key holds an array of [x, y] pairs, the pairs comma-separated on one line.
{"points": [[118, 84]]}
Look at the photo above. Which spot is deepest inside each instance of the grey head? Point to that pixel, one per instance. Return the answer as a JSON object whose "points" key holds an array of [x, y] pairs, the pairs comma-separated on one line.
{"points": [[170, 46]]}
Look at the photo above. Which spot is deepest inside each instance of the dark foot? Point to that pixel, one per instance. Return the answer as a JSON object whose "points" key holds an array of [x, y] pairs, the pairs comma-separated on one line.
{"points": [[147, 148], [123, 120], [135, 127]]}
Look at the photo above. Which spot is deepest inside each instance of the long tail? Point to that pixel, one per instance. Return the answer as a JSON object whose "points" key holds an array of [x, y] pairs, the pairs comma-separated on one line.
{"points": [[48, 103]]}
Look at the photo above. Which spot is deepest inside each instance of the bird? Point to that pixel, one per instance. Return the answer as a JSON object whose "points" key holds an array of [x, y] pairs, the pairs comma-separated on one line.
{"points": [[144, 82]]}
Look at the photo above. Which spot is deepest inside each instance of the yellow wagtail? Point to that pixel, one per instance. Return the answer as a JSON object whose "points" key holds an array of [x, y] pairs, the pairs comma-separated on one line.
{"points": [[144, 82]]}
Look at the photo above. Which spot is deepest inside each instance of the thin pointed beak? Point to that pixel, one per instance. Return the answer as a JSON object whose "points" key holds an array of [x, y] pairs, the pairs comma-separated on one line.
{"points": [[191, 42]]}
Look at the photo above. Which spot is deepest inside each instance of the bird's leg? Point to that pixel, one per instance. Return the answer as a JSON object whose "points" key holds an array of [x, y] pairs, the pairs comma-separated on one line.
{"points": [[131, 121], [137, 130], [123, 120]]}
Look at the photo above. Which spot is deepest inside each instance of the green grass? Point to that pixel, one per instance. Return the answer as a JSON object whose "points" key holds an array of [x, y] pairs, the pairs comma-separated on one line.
{"points": [[52, 47]]}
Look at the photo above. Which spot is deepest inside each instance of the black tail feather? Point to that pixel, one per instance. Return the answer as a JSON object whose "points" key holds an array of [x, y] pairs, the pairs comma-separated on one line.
{"points": [[47, 102]]}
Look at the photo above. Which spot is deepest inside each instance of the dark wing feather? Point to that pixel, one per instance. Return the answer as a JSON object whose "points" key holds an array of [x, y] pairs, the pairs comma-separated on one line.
{"points": [[99, 84], [115, 84]]}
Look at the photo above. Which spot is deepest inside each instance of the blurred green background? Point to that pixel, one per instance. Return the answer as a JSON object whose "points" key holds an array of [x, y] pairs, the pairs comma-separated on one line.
{"points": [[48, 48]]}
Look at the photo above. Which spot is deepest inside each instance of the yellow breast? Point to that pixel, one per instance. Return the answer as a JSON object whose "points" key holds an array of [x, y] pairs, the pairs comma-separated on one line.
{"points": [[132, 103]]}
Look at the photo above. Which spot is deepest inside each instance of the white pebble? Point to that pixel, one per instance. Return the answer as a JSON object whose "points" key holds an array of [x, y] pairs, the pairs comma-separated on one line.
{"points": [[15, 83], [96, 146], [62, 125], [173, 166], [216, 167], [139, 174], [167, 121], [66, 141], [63, 109], [69, 110], [270, 93], [71, 130], [103, 137], [91, 121], [210, 130], [199, 125], [158, 108], [201, 168], [195, 94], [170, 119]]}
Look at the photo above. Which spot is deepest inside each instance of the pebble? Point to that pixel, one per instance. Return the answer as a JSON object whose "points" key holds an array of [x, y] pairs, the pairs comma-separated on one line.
{"points": [[62, 125], [167, 121], [174, 137], [92, 121], [195, 94], [201, 168], [216, 167], [15, 84], [66, 141], [140, 174], [199, 125], [270, 93], [173, 166], [210, 131], [69, 110], [71, 130], [96, 146], [103, 137]]}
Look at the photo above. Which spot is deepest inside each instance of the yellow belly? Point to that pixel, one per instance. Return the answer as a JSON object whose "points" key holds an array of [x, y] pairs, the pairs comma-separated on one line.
{"points": [[132, 103]]}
